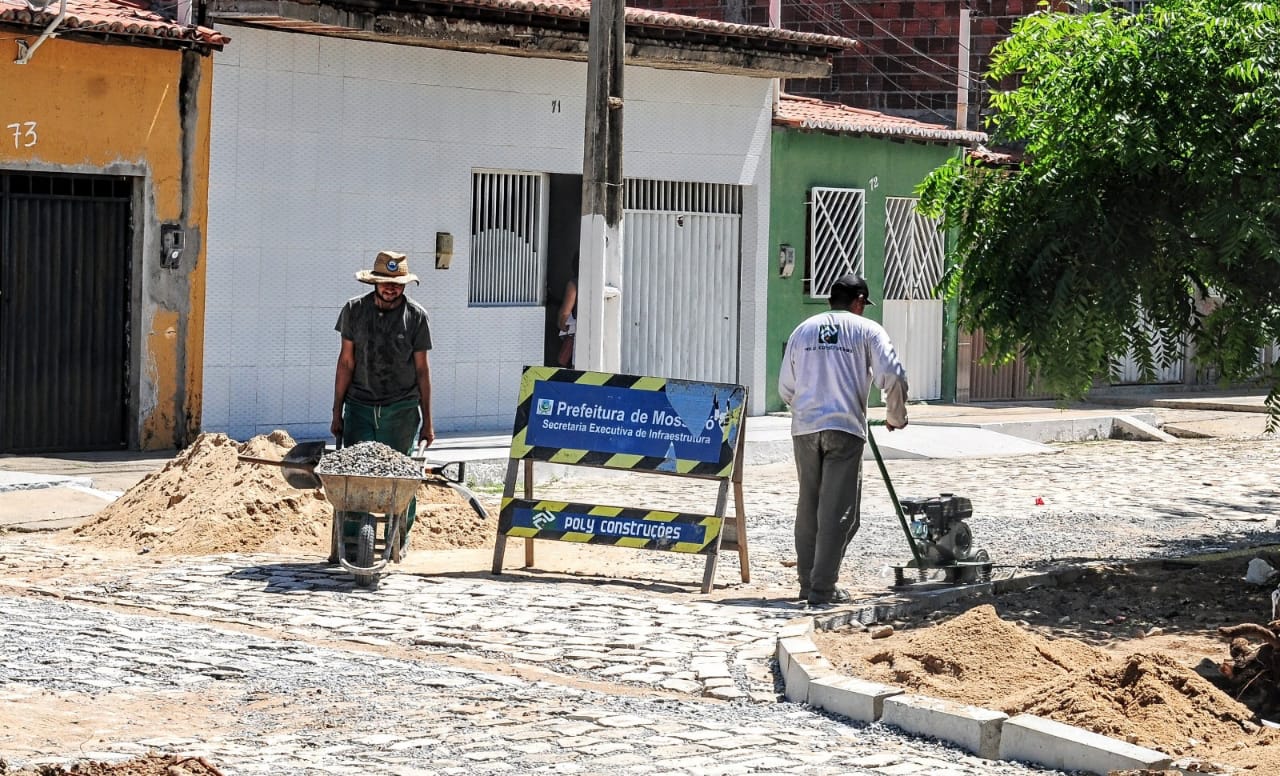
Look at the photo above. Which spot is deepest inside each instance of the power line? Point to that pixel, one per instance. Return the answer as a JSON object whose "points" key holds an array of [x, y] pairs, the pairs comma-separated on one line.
{"points": [[832, 25], [909, 47], [915, 98]]}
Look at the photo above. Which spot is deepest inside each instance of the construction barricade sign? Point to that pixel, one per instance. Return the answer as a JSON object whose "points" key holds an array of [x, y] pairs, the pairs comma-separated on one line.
{"points": [[628, 422], [643, 529]]}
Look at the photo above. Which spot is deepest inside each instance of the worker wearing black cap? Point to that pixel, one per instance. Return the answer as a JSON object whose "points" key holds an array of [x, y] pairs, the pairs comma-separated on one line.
{"points": [[827, 370]]}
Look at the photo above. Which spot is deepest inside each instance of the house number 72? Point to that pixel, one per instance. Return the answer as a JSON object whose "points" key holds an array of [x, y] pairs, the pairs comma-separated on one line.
{"points": [[24, 134]]}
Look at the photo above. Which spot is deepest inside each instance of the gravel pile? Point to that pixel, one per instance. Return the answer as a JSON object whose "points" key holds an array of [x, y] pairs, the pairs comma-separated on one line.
{"points": [[370, 459]]}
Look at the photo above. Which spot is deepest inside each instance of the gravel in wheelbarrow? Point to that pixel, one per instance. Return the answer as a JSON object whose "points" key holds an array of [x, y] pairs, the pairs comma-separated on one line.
{"points": [[369, 477], [369, 459]]}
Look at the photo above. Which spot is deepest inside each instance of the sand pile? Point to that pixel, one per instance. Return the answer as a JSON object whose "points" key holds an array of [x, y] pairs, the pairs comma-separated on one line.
{"points": [[446, 521], [1148, 699], [207, 501], [977, 654]]}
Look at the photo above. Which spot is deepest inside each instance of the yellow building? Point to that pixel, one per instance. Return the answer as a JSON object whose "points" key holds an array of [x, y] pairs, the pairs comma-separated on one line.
{"points": [[104, 138]]}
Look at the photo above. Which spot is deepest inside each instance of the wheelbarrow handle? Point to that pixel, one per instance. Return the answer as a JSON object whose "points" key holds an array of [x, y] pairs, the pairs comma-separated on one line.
{"points": [[439, 470]]}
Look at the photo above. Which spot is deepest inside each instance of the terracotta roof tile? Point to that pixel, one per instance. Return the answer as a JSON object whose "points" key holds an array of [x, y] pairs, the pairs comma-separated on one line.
{"points": [[581, 9], [110, 17], [808, 113]]}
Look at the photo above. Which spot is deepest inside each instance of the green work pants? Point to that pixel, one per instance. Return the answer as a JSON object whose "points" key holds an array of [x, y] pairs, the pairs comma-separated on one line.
{"points": [[394, 425]]}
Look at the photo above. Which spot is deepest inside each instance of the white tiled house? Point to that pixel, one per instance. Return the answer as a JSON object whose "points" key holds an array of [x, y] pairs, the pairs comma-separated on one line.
{"points": [[329, 147]]}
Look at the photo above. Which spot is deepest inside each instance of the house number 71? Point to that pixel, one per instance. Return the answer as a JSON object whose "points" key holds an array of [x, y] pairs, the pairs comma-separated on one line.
{"points": [[24, 134]]}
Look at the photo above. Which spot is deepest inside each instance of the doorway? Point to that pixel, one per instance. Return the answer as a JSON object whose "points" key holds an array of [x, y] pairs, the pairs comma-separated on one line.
{"points": [[65, 248]]}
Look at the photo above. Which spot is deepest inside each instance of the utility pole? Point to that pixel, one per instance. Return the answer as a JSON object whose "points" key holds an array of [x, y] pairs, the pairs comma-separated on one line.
{"points": [[598, 344], [962, 73]]}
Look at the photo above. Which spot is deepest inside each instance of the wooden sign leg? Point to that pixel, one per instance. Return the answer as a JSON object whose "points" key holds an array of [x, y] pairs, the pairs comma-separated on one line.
{"points": [[528, 494], [508, 490], [740, 519], [499, 549], [709, 573], [739, 503]]}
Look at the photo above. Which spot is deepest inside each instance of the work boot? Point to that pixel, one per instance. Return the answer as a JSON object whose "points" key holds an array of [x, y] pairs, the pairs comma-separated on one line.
{"points": [[829, 597]]}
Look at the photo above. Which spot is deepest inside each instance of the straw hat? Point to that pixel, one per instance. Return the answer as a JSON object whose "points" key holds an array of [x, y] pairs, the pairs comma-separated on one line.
{"points": [[388, 267]]}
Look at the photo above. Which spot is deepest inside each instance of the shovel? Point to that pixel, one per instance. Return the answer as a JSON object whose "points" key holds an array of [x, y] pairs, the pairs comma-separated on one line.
{"points": [[298, 465]]}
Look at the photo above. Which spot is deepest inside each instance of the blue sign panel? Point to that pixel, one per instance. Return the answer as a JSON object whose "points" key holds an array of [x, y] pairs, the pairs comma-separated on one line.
{"points": [[652, 418]]}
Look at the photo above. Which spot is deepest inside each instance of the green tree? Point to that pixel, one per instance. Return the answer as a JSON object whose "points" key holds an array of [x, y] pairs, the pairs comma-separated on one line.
{"points": [[1149, 182]]}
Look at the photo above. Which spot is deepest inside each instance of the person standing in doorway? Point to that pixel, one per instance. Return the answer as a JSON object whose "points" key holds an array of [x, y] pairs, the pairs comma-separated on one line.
{"points": [[382, 390], [827, 371], [567, 319]]}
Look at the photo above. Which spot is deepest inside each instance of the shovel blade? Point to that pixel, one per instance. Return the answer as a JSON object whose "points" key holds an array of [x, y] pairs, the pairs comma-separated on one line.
{"points": [[302, 479], [305, 453], [298, 467]]}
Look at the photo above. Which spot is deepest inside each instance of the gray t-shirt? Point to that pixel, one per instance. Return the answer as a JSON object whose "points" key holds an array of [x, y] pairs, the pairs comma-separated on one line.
{"points": [[385, 342]]}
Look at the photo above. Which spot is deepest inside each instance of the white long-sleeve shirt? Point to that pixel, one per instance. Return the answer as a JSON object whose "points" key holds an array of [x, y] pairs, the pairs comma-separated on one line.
{"points": [[827, 370]]}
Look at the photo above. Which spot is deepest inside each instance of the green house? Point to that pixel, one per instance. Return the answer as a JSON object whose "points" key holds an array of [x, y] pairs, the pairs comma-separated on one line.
{"points": [[842, 199]]}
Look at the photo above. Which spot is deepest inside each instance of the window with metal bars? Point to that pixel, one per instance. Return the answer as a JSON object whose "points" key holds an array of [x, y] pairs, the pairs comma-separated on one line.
{"points": [[837, 233], [913, 251], [508, 238], [682, 196]]}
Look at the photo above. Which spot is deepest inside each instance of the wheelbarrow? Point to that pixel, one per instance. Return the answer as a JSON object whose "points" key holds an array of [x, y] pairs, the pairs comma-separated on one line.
{"points": [[380, 505]]}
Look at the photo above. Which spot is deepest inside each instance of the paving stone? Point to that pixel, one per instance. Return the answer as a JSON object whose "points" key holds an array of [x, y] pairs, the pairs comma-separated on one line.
{"points": [[623, 721], [681, 685], [883, 760], [724, 693], [681, 750]]}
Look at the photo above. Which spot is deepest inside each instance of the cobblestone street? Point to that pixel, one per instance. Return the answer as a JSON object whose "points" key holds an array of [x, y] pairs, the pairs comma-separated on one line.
{"points": [[277, 664], [441, 681]]}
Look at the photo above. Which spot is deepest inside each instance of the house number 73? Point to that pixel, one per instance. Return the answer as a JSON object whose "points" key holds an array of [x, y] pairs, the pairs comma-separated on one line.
{"points": [[24, 134]]}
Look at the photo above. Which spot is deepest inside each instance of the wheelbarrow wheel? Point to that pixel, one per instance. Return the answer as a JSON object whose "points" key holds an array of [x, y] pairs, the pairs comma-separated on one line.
{"points": [[364, 549]]}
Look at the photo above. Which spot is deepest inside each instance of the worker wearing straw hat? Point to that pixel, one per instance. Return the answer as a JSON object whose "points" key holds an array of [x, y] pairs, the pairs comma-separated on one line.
{"points": [[382, 390]]}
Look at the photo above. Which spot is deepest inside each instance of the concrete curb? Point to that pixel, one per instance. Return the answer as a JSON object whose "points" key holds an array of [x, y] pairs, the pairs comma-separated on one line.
{"points": [[810, 679], [1133, 428], [15, 481]]}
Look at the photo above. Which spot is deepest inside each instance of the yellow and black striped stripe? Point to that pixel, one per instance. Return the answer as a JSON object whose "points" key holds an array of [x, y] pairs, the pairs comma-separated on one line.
{"points": [[521, 449], [646, 529]]}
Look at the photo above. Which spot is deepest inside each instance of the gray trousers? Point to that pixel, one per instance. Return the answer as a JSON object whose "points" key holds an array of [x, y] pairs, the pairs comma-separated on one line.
{"points": [[828, 464]]}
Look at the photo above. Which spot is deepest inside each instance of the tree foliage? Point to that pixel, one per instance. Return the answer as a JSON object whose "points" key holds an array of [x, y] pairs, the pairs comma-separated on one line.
{"points": [[1150, 184]]}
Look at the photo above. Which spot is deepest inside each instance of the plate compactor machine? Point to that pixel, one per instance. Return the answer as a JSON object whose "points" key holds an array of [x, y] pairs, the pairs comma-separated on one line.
{"points": [[937, 534]]}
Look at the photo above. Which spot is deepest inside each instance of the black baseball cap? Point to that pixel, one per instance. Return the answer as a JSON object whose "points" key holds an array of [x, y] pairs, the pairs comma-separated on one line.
{"points": [[851, 287]]}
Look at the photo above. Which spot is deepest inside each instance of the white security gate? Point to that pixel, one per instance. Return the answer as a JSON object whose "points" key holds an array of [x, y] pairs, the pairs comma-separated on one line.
{"points": [[680, 274], [1269, 355], [1128, 371], [913, 251], [836, 237], [508, 238]]}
